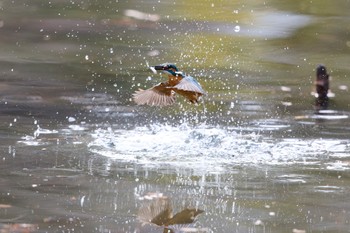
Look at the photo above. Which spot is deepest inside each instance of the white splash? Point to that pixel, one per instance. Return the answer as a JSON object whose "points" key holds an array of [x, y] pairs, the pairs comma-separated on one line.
{"points": [[209, 148]]}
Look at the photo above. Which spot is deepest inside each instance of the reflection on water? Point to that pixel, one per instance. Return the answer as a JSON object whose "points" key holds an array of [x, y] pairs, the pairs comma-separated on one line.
{"points": [[272, 25], [157, 211], [79, 156]]}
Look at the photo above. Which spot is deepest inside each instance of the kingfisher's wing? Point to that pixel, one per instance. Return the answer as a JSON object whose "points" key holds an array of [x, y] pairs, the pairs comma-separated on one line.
{"points": [[188, 83], [159, 95]]}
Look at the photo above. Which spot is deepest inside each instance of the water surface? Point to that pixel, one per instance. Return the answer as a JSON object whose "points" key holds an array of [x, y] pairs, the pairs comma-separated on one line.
{"points": [[79, 156]]}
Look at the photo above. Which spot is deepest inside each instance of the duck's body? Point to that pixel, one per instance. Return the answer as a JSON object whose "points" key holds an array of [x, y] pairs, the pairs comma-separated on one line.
{"points": [[163, 94], [322, 87]]}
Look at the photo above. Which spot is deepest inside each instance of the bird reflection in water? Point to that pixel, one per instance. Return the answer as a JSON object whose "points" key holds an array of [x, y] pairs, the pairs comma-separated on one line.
{"points": [[157, 213]]}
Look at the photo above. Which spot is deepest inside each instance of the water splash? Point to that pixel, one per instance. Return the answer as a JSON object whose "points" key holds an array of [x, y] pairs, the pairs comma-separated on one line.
{"points": [[209, 148]]}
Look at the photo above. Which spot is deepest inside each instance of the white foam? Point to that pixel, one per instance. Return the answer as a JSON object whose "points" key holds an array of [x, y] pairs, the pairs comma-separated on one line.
{"points": [[207, 147]]}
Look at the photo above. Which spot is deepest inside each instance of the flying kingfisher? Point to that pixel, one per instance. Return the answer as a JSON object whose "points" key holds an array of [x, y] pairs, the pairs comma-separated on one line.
{"points": [[163, 94]]}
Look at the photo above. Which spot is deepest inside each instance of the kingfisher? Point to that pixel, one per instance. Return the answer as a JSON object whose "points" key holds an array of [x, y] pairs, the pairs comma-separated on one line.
{"points": [[163, 94]]}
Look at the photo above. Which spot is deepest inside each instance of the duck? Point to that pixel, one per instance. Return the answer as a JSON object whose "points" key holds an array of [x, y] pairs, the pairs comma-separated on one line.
{"points": [[164, 93], [322, 87]]}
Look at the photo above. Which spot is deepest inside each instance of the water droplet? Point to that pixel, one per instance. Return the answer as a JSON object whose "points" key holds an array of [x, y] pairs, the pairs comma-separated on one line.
{"points": [[258, 222], [82, 200], [71, 119], [343, 87]]}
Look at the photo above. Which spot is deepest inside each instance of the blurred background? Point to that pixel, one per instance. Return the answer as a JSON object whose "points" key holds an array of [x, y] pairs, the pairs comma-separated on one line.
{"points": [[78, 154]]}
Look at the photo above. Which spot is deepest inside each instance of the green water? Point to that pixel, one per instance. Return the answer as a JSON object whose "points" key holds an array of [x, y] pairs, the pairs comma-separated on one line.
{"points": [[77, 155]]}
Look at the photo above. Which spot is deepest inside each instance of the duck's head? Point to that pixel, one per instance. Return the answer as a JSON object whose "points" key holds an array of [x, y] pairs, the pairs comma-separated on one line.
{"points": [[169, 69], [321, 71]]}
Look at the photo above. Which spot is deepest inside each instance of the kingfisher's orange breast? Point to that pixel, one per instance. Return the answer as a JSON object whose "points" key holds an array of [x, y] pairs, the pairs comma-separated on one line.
{"points": [[174, 80]]}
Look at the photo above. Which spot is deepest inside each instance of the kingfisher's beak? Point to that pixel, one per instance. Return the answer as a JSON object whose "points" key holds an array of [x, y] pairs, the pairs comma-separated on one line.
{"points": [[160, 67]]}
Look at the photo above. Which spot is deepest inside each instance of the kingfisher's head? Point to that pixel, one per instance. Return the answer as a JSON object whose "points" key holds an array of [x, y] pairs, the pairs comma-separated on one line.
{"points": [[168, 68]]}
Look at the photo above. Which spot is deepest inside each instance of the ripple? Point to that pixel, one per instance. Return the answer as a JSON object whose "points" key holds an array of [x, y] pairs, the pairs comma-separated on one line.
{"points": [[23, 99], [45, 137], [292, 179], [338, 166], [49, 172], [325, 115], [328, 189]]}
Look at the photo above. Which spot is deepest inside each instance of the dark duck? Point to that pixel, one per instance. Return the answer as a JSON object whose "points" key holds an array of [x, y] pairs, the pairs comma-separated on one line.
{"points": [[164, 94], [322, 87]]}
